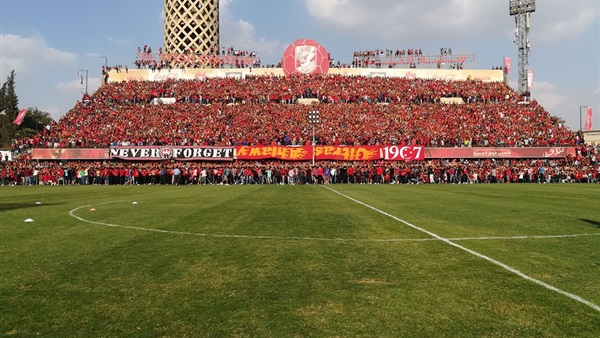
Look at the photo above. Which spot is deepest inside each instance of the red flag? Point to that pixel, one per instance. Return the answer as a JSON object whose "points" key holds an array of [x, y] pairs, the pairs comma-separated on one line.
{"points": [[588, 118], [20, 117], [507, 65]]}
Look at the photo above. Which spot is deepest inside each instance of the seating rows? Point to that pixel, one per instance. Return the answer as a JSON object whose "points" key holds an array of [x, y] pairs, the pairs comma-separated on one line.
{"points": [[264, 110]]}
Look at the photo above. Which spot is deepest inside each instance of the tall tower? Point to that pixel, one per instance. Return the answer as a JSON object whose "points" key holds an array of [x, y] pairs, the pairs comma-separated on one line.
{"points": [[191, 26], [521, 10]]}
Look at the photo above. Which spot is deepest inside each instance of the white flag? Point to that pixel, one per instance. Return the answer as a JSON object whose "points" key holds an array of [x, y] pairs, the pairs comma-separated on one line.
{"points": [[529, 79]]}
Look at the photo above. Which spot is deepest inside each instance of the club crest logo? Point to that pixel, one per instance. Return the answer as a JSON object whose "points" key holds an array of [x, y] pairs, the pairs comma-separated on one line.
{"points": [[305, 57], [166, 153]]}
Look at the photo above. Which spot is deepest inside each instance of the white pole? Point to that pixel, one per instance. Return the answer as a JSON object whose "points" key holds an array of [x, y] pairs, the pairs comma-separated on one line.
{"points": [[313, 146]]}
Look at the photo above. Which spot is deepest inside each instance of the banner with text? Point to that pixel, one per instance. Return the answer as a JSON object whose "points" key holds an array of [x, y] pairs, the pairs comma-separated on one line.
{"points": [[348, 153], [556, 152], [305, 153], [179, 153], [291, 153], [406, 153]]}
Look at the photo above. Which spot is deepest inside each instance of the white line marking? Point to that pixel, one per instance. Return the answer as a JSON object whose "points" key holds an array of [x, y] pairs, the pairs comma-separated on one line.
{"points": [[518, 237], [475, 253], [72, 214]]}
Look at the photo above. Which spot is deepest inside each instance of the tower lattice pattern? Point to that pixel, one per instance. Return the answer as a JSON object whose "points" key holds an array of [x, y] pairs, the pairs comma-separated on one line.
{"points": [[191, 26]]}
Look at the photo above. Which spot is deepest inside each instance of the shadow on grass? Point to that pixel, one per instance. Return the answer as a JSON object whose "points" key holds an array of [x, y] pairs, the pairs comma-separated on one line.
{"points": [[594, 223], [15, 206]]}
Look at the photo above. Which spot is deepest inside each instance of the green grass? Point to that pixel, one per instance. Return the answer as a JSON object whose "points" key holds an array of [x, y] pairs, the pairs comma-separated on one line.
{"points": [[298, 261]]}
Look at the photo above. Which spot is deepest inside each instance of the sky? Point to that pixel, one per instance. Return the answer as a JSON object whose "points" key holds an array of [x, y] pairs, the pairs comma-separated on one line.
{"points": [[48, 43]]}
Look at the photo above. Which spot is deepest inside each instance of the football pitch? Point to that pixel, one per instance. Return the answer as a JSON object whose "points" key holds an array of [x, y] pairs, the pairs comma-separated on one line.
{"points": [[504, 260]]}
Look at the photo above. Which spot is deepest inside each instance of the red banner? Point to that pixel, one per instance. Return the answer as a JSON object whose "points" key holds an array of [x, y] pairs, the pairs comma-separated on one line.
{"points": [[20, 117], [556, 152], [588, 118], [277, 152], [507, 65], [305, 153], [348, 153], [70, 154]]}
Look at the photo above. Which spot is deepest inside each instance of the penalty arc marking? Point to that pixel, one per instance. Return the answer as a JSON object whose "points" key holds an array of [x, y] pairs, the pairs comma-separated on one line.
{"points": [[305, 238]]}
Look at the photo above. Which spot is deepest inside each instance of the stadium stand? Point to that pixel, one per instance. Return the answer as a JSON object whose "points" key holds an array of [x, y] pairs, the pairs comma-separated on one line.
{"points": [[354, 111], [272, 110]]}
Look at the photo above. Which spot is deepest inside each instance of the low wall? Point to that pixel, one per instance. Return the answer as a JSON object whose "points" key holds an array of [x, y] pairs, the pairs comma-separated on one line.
{"points": [[592, 137], [198, 74], [452, 100]]}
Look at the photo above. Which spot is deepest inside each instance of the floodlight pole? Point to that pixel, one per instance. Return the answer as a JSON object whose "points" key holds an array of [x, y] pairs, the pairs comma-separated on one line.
{"points": [[580, 119], [313, 145], [313, 118], [105, 63], [521, 10]]}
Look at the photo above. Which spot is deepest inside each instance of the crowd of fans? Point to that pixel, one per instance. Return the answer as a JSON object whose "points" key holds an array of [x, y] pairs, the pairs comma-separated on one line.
{"points": [[452, 65], [390, 58], [264, 111], [228, 57], [445, 51], [431, 125], [377, 53], [116, 68], [398, 52]]}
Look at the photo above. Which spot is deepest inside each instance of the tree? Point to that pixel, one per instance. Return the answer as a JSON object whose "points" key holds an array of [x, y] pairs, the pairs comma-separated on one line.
{"points": [[9, 106]]}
